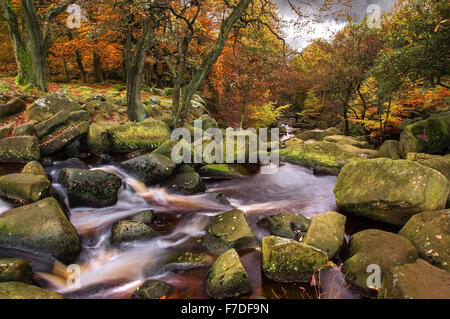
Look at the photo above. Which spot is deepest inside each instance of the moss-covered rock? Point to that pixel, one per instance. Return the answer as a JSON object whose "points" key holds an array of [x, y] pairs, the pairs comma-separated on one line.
{"points": [[6, 130], [33, 168], [390, 149], [437, 162], [153, 110], [41, 227], [427, 136], [97, 106], [429, 232], [316, 134], [363, 152], [187, 184], [26, 129], [390, 191], [20, 290], [98, 141], [150, 168], [129, 230], [189, 260], [145, 216], [223, 171], [16, 269], [227, 277], [346, 140], [375, 247], [47, 106], [287, 260], [45, 127], [25, 188], [288, 225], [65, 138], [326, 232], [79, 116], [92, 188], [14, 106], [229, 230], [152, 289], [19, 149]]}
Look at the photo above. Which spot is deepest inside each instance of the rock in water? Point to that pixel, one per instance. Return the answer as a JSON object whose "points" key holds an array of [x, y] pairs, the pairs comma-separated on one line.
{"points": [[152, 289], [429, 232], [287, 260], [128, 230], [188, 261], [15, 269], [90, 188], [47, 106], [19, 149], [229, 230], [14, 106], [187, 184], [20, 290], [375, 247], [145, 216], [227, 277], [150, 168], [390, 191], [41, 228], [390, 149], [33, 168], [418, 280], [326, 232], [25, 188], [288, 225]]}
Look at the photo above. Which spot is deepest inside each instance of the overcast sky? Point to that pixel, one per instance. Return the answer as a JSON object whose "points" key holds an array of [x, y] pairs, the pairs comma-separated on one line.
{"points": [[300, 39]]}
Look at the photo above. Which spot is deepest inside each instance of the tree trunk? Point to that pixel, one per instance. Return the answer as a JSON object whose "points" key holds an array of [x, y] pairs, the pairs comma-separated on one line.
{"points": [[98, 76], [80, 66], [66, 72]]}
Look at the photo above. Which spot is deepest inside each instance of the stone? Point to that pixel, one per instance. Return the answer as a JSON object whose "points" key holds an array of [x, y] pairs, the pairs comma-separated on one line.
{"points": [[79, 116], [188, 261], [97, 107], [390, 149], [33, 168], [6, 130], [20, 290], [98, 141], [47, 106], [26, 129], [316, 134], [288, 225], [45, 127], [19, 149], [150, 168], [223, 171], [128, 230], [152, 289], [60, 141], [24, 188], [145, 216], [15, 269], [187, 184], [346, 140], [14, 106]]}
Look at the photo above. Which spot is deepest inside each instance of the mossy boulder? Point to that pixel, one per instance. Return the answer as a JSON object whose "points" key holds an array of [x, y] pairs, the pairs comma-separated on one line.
{"points": [[187, 184], [150, 168], [227, 277], [45, 127], [47, 106], [6, 130], [19, 149], [316, 134], [24, 188], [390, 149], [427, 136], [189, 260], [207, 122], [92, 188], [129, 230], [326, 232], [98, 141], [167, 147], [223, 171], [97, 106], [20, 290], [418, 280], [229, 230], [63, 139], [287, 260], [79, 116], [288, 225], [26, 129], [323, 157], [362, 152], [42, 228], [153, 110], [14, 106], [429, 232], [346, 140], [145, 216], [152, 289], [16, 269], [390, 191], [375, 247], [33, 168]]}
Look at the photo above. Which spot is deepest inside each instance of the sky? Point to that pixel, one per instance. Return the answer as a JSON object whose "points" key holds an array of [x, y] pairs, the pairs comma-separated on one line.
{"points": [[299, 39]]}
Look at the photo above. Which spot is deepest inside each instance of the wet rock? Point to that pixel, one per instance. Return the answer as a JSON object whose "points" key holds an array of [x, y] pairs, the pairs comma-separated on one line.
{"points": [[229, 230], [150, 168], [418, 280], [227, 277], [98, 141], [218, 198], [390, 149], [223, 171], [92, 188], [42, 228], [288, 225], [26, 129], [20, 290], [146, 216], [188, 260], [19, 149], [187, 184], [24, 188], [15, 269], [6, 130], [152, 289], [375, 247], [45, 127], [128, 230], [427, 136], [33, 168], [326, 232], [287, 260], [60, 141], [429, 232], [47, 106], [390, 191], [14, 106]]}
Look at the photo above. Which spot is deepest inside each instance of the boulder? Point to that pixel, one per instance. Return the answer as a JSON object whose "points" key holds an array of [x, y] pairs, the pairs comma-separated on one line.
{"points": [[326, 232], [207, 122], [188, 260], [287, 260], [363, 152], [187, 184], [390, 149], [24, 188], [229, 230], [45, 127], [223, 171], [146, 216], [20, 290], [152, 289], [390, 191], [95, 107], [317, 135], [427, 136], [288, 225], [42, 228], [6, 130], [346, 140], [16, 269], [150, 168], [429, 232], [227, 277], [19, 149], [47, 106], [60, 141], [375, 247], [128, 230], [26, 129], [92, 188], [79, 116], [98, 141], [437, 162], [33, 168], [153, 110], [14, 106], [418, 280]]}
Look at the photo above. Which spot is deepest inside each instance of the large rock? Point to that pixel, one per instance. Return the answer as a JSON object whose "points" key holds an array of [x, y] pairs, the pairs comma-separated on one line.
{"points": [[14, 106], [288, 225], [229, 230], [19, 149], [20, 290], [98, 140], [152, 289], [48, 125], [47, 106], [427, 136], [287, 260], [92, 188], [57, 143], [96, 106], [346, 140], [25, 188], [227, 277], [418, 280], [326, 232], [429, 232], [16, 269], [42, 228], [33, 168], [390, 149], [317, 134], [150, 168], [6, 130], [128, 230], [187, 184], [363, 152], [390, 191], [26, 129], [437, 162], [188, 260], [375, 247]]}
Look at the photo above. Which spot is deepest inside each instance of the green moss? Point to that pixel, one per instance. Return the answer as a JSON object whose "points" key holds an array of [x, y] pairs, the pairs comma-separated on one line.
{"points": [[15, 269], [25, 188], [20, 290], [286, 225]]}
